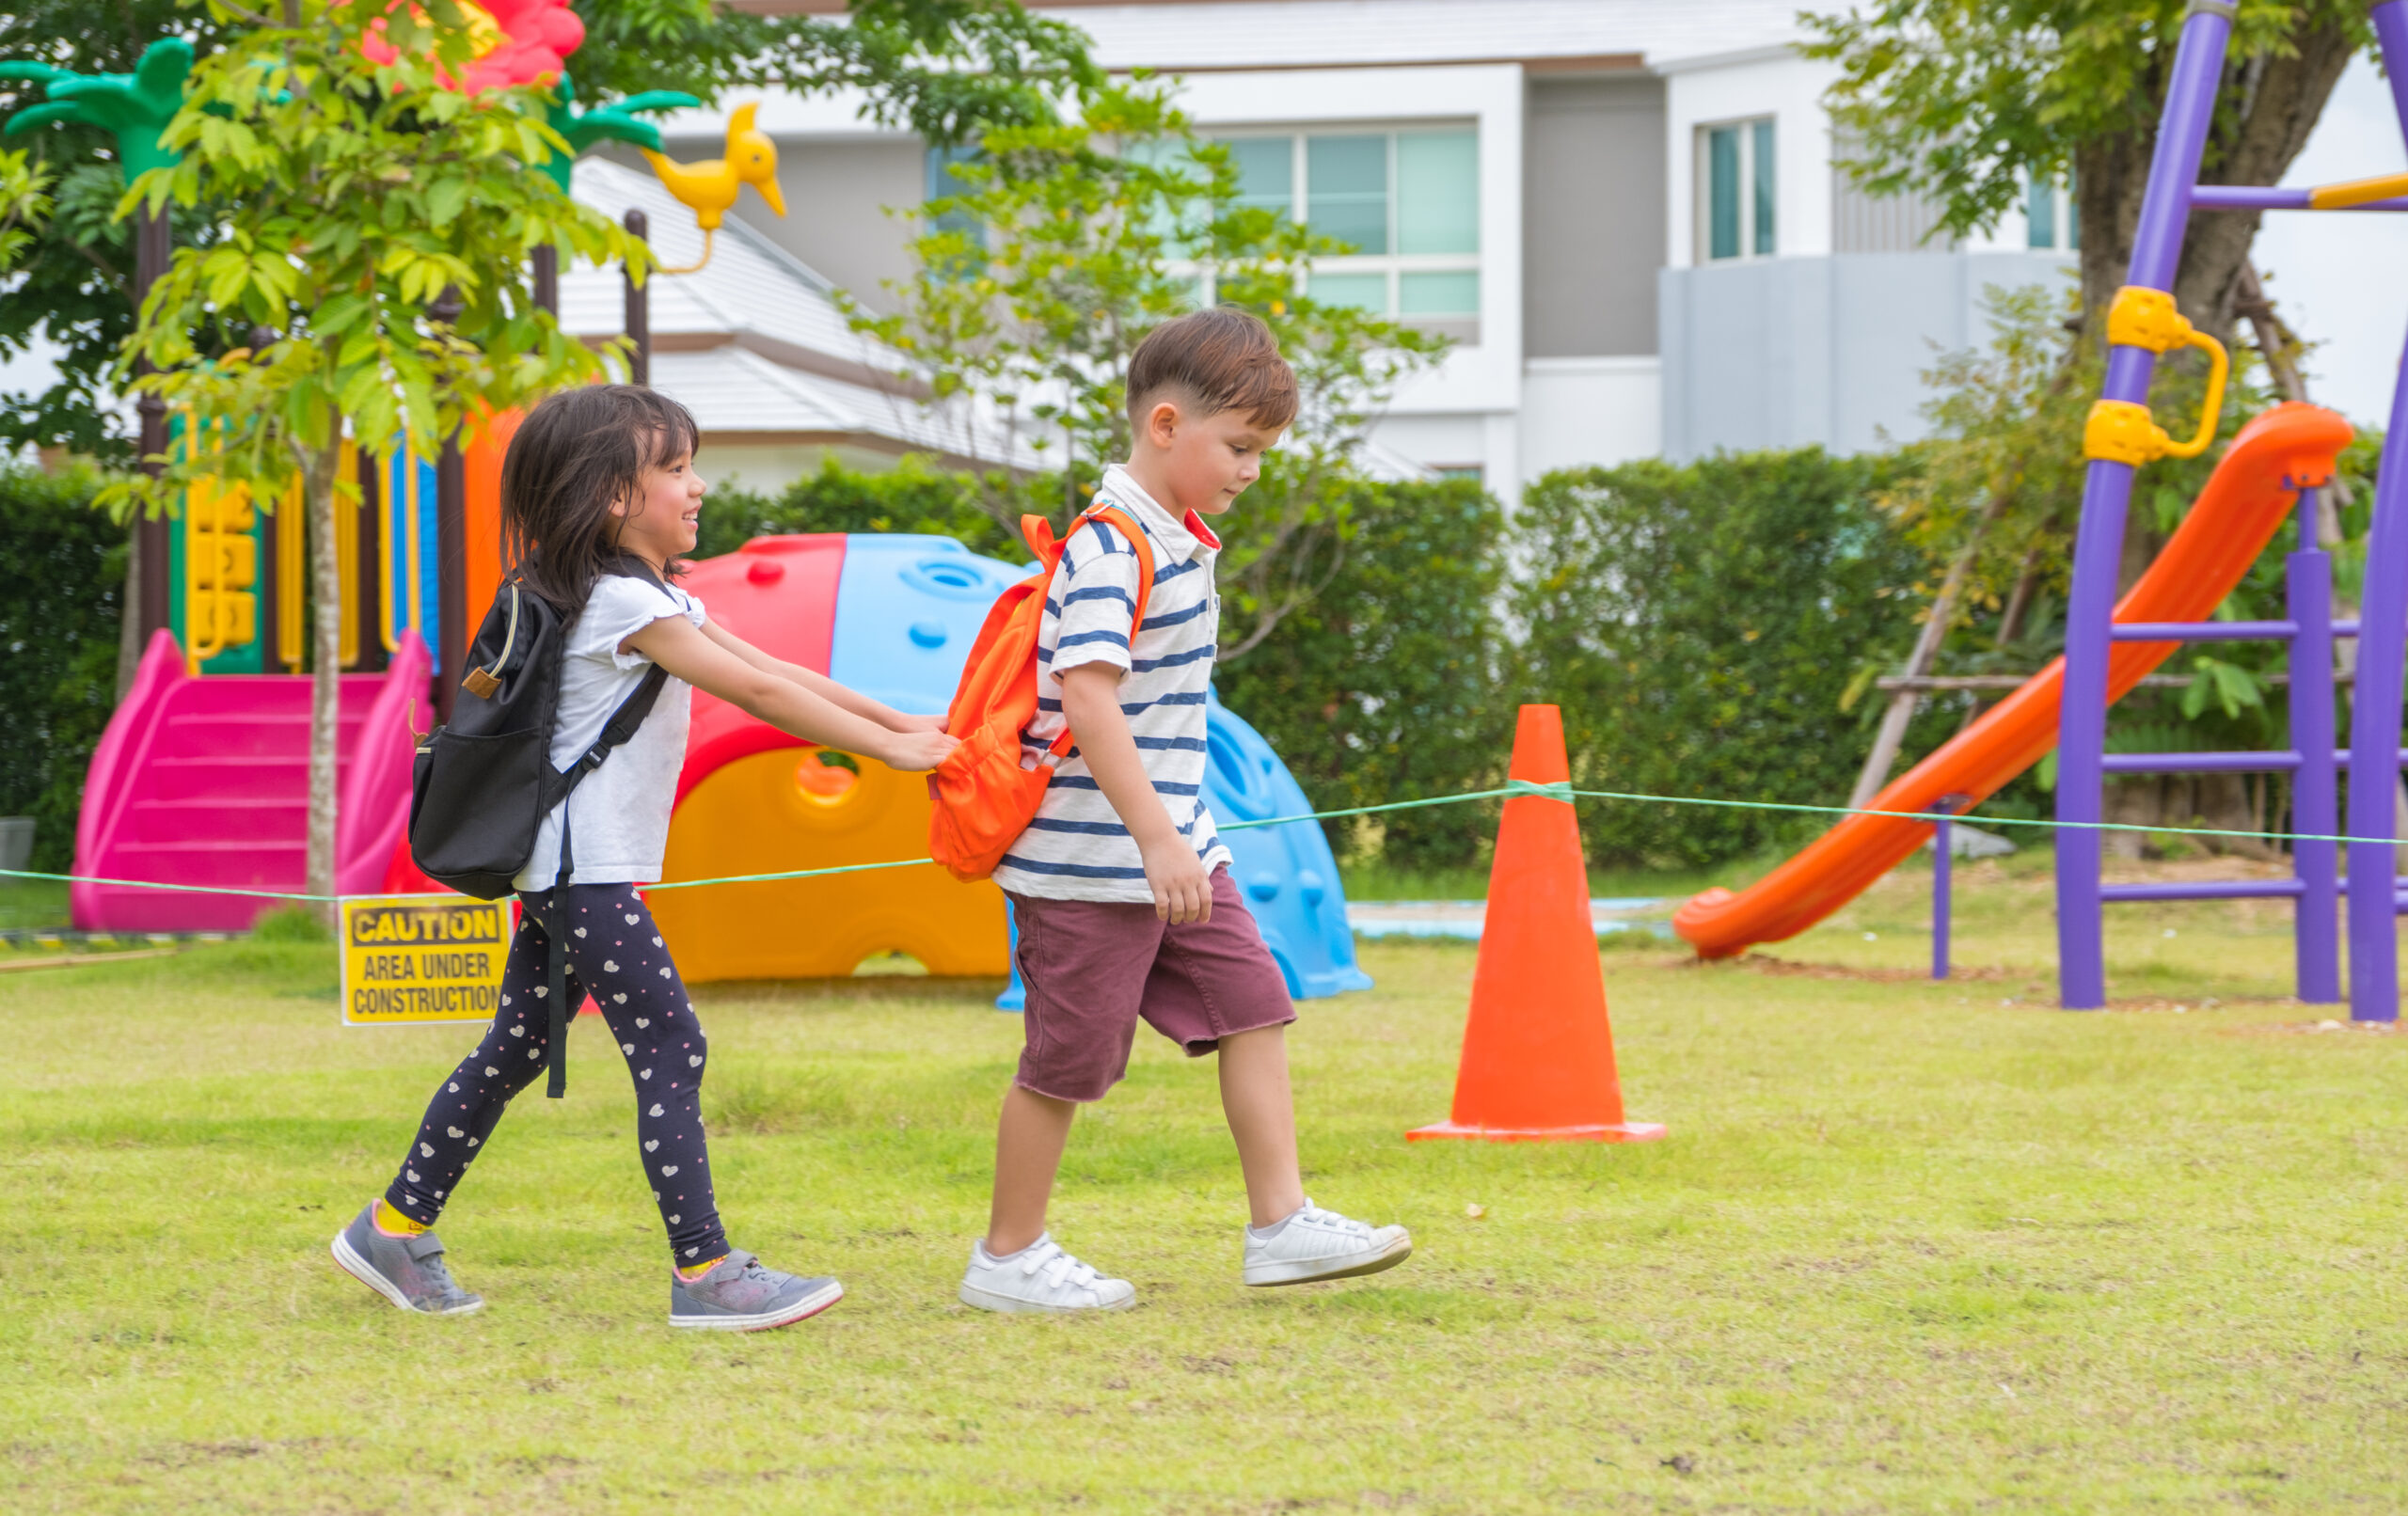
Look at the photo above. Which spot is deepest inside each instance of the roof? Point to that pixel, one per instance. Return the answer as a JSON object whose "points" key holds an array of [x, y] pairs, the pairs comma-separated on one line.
{"points": [[738, 395], [754, 341], [1197, 36], [1289, 33]]}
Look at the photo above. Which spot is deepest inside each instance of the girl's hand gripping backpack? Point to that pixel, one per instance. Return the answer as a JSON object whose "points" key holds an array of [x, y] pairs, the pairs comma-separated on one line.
{"points": [[485, 782], [984, 797]]}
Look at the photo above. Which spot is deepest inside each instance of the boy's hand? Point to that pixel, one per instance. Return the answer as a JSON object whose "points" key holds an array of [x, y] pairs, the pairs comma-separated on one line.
{"points": [[1183, 890], [916, 752]]}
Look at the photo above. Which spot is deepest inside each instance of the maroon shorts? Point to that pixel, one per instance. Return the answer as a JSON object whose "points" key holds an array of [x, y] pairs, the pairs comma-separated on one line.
{"points": [[1094, 967]]}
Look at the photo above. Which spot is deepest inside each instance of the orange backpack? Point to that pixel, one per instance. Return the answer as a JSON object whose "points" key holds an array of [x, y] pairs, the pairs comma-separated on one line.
{"points": [[983, 798]]}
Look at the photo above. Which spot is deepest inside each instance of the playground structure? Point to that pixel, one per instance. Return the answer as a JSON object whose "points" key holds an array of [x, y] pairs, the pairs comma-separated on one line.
{"points": [[2273, 469], [200, 779], [894, 615]]}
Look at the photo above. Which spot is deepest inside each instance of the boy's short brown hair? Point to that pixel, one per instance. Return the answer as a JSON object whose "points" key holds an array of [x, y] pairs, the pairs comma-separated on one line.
{"points": [[1224, 359]]}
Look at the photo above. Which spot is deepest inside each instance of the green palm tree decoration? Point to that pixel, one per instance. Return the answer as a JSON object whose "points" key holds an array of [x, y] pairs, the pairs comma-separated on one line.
{"points": [[614, 122], [135, 108]]}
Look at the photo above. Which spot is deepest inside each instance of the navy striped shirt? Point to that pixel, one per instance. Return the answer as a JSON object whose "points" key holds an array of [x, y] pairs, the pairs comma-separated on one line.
{"points": [[1077, 848]]}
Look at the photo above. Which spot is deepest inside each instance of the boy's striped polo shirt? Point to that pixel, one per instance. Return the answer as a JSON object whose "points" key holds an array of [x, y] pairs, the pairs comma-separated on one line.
{"points": [[1077, 848]]}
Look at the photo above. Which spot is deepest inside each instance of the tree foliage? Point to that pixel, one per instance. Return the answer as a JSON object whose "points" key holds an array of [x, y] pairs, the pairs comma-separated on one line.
{"points": [[1968, 101], [72, 286], [25, 205], [61, 566], [356, 194], [944, 68], [1698, 624]]}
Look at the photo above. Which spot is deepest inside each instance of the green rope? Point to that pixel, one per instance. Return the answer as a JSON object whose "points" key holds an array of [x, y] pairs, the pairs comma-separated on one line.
{"points": [[151, 884], [1512, 789]]}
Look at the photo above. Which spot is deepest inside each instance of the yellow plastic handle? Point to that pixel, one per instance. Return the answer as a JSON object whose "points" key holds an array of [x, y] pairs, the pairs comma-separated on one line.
{"points": [[2219, 369], [2122, 431]]}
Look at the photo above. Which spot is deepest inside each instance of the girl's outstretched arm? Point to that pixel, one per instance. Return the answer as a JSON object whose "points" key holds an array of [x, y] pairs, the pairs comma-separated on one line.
{"points": [[788, 704], [841, 696]]}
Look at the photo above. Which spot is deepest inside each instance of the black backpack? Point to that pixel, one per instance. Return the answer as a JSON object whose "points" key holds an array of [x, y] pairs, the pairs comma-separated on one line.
{"points": [[483, 781]]}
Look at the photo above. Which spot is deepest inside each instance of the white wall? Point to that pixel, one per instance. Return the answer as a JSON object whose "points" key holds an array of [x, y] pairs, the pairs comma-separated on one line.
{"points": [[1577, 411], [2335, 275], [1762, 82]]}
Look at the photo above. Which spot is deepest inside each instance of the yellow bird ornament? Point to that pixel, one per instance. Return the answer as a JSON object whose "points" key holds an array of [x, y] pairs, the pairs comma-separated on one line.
{"points": [[709, 188]]}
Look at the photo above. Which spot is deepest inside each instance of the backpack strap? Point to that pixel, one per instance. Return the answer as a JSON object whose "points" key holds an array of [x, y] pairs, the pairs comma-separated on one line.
{"points": [[1142, 547], [615, 734]]}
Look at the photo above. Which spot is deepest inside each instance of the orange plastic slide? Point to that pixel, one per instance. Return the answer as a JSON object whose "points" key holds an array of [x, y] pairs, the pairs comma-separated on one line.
{"points": [[2246, 501]]}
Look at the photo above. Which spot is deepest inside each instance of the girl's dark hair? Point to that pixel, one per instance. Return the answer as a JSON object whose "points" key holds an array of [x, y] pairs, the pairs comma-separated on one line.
{"points": [[577, 455]]}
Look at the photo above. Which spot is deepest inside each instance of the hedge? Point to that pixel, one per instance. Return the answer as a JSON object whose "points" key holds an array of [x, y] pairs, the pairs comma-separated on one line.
{"points": [[1699, 624], [1385, 686], [62, 576]]}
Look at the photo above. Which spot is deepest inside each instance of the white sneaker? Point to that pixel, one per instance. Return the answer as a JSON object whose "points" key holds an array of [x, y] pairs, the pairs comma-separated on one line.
{"points": [[1321, 1244], [1039, 1277]]}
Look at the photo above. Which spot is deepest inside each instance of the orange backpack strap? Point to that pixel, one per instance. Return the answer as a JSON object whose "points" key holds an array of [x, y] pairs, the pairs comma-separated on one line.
{"points": [[1138, 544]]}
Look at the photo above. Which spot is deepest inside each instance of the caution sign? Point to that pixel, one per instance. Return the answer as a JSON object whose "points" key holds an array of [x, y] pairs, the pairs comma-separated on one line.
{"points": [[409, 958]]}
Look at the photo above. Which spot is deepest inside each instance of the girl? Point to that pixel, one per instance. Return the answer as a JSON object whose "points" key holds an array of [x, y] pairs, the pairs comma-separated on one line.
{"points": [[599, 498]]}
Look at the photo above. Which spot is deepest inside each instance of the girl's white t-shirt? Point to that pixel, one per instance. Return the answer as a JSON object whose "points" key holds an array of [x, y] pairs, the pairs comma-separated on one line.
{"points": [[620, 814]]}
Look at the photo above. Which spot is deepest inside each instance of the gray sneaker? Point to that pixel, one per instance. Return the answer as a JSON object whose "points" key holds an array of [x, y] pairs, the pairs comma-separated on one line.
{"points": [[408, 1270], [739, 1295]]}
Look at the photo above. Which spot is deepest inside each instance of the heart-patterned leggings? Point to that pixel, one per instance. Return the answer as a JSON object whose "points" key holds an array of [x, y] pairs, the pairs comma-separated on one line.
{"points": [[615, 953]]}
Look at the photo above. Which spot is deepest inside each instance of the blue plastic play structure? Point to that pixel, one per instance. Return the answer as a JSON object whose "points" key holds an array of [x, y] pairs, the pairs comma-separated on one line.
{"points": [[906, 610]]}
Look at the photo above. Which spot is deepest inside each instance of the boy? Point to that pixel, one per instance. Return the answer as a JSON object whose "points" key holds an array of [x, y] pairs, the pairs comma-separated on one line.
{"points": [[1120, 888]]}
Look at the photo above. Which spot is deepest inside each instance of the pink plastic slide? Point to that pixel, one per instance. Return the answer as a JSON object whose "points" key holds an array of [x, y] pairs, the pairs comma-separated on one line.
{"points": [[206, 782]]}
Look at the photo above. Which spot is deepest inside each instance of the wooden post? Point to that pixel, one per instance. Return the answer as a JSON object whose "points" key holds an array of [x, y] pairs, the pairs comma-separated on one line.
{"points": [[638, 321], [546, 260], [367, 589], [152, 248], [450, 548]]}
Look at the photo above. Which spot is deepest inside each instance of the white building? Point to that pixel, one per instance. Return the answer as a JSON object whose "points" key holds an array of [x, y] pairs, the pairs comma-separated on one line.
{"points": [[1625, 211]]}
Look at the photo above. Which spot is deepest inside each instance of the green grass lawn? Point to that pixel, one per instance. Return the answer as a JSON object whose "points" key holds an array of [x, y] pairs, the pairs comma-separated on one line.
{"points": [[1910, 1247]]}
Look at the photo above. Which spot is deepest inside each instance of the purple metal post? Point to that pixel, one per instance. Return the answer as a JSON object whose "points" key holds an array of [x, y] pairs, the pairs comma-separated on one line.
{"points": [[2316, 934], [2268, 198], [1941, 886], [2098, 543], [2374, 726]]}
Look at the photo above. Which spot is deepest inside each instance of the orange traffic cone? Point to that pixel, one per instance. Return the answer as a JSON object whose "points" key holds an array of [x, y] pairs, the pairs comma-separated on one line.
{"points": [[1537, 1061]]}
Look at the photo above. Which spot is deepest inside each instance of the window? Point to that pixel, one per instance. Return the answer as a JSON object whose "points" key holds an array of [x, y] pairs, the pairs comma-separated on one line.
{"points": [[1407, 202], [1737, 201], [2051, 216], [943, 183]]}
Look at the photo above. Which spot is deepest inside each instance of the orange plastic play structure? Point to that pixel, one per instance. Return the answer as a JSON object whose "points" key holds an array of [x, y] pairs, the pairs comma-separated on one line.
{"points": [[1538, 1060], [776, 811], [2247, 498]]}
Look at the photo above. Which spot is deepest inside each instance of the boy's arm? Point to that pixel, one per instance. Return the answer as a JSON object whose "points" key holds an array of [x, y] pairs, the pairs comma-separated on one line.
{"points": [[840, 696], [1091, 701], [677, 645]]}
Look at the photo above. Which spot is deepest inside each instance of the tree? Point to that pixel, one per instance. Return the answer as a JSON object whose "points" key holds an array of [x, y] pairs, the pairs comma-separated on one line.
{"points": [[1968, 101], [91, 109], [1068, 242], [944, 68], [25, 206], [376, 224]]}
